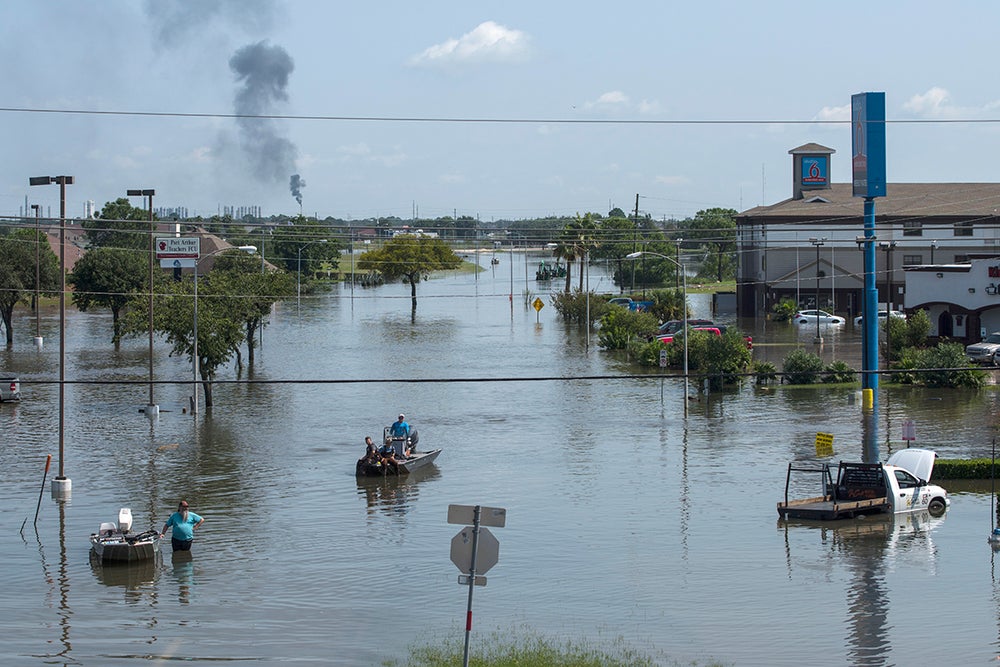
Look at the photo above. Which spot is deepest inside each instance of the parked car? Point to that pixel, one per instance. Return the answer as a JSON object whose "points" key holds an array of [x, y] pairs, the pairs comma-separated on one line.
{"points": [[10, 388], [882, 315], [621, 301], [811, 317], [985, 351], [673, 326]]}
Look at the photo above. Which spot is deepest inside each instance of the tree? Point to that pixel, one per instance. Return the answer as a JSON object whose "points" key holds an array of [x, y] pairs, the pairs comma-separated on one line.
{"points": [[410, 258], [108, 277], [260, 290], [715, 229], [17, 272], [119, 225]]}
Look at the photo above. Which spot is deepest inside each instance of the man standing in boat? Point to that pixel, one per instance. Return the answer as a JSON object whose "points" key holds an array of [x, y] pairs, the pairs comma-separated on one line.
{"points": [[183, 522], [400, 429]]}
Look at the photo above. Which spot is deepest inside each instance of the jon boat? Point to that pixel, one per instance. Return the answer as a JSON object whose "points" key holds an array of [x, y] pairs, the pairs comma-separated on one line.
{"points": [[116, 543], [404, 465]]}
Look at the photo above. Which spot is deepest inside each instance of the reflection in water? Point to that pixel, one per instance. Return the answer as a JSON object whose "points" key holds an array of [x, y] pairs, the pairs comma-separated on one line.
{"points": [[183, 573], [394, 495], [65, 612], [870, 547], [136, 578]]}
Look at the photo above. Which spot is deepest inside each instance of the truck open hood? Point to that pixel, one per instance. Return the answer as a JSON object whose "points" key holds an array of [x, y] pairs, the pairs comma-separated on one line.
{"points": [[919, 462]]}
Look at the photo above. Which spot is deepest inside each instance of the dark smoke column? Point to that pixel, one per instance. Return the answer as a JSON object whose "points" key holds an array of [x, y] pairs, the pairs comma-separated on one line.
{"points": [[295, 184], [263, 71]]}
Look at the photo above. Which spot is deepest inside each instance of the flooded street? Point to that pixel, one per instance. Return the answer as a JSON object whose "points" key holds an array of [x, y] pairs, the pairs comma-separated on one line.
{"points": [[623, 517]]}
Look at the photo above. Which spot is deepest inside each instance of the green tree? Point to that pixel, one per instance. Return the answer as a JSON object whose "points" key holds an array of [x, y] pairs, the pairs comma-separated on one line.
{"points": [[109, 277], [259, 291], [119, 225], [410, 258], [715, 230], [17, 272], [302, 240]]}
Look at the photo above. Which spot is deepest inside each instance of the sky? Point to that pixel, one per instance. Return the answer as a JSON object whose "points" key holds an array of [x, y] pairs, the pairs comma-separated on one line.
{"points": [[496, 110]]}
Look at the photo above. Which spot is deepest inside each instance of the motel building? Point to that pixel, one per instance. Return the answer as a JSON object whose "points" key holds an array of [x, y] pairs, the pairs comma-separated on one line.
{"points": [[937, 248]]}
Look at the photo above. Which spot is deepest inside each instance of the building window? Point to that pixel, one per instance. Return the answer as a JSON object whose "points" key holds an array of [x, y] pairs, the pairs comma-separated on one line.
{"points": [[961, 259], [963, 229], [913, 260], [912, 228]]}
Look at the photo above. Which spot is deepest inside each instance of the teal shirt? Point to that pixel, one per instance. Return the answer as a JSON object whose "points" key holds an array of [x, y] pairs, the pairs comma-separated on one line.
{"points": [[183, 530]]}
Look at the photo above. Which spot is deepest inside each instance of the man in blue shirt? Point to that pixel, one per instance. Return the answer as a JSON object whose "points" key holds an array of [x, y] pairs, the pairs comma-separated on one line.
{"points": [[183, 523], [400, 429]]}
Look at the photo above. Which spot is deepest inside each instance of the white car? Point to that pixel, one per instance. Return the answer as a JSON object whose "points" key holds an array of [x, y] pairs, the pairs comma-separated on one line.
{"points": [[814, 316], [882, 315], [985, 351]]}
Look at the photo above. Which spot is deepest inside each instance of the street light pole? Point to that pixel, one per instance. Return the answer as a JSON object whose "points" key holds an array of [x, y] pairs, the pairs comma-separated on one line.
{"points": [[817, 242], [298, 273], [887, 247], [152, 409], [684, 318], [38, 264], [61, 485], [195, 359]]}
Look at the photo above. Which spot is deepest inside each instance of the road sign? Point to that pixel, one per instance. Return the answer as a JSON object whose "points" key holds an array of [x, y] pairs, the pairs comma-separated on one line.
{"points": [[487, 551], [488, 516], [909, 429], [824, 444], [537, 304], [463, 579], [178, 247], [663, 358]]}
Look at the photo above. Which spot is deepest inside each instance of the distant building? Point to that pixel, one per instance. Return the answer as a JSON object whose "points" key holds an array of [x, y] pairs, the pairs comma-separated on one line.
{"points": [[805, 248]]}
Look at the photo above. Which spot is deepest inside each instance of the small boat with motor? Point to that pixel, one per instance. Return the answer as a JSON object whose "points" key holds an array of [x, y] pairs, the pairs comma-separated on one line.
{"points": [[116, 543], [405, 457]]}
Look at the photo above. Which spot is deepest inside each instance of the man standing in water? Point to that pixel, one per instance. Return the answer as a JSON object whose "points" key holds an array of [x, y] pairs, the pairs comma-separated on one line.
{"points": [[183, 523]]}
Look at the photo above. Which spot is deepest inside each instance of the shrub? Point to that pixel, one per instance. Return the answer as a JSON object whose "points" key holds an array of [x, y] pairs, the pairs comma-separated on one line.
{"points": [[572, 306], [839, 372], [946, 364], [765, 371], [783, 310], [620, 325], [801, 367]]}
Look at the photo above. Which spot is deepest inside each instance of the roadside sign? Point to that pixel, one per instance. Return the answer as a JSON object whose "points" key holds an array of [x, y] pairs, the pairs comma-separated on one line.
{"points": [[909, 430], [170, 263], [663, 358], [537, 304], [488, 516], [487, 552], [463, 579], [178, 247], [824, 444]]}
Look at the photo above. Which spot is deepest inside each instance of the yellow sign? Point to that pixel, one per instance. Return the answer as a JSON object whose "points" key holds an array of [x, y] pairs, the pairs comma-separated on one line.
{"points": [[824, 444], [538, 304]]}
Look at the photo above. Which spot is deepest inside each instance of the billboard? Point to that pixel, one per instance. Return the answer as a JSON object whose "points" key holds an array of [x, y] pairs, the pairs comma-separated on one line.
{"points": [[868, 144]]}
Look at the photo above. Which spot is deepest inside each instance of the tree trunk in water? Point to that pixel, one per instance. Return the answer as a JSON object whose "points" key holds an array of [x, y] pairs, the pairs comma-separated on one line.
{"points": [[413, 293]]}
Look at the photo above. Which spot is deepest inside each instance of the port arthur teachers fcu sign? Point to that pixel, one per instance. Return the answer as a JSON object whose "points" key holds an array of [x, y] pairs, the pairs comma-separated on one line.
{"points": [[178, 251]]}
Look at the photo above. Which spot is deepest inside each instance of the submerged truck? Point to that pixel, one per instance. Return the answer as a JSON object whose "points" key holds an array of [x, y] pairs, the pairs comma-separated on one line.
{"points": [[10, 388], [898, 485]]}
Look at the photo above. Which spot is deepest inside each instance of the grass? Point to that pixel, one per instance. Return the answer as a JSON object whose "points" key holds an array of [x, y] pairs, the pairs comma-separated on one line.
{"points": [[527, 648]]}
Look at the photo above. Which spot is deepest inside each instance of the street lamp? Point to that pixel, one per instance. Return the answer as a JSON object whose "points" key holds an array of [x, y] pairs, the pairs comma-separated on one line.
{"points": [[195, 359], [151, 409], [38, 326], [680, 267], [817, 242], [298, 273], [61, 485]]}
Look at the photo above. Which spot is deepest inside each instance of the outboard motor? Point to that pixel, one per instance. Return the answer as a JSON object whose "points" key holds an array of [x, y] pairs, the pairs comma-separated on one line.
{"points": [[124, 519], [414, 438]]}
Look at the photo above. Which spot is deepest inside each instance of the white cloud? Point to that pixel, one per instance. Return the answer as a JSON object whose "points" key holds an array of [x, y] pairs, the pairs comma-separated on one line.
{"points": [[487, 42], [841, 113], [612, 98], [649, 106], [359, 149], [936, 103], [200, 154]]}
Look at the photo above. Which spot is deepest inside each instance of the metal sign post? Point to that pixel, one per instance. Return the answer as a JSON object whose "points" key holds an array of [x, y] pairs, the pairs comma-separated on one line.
{"points": [[473, 550]]}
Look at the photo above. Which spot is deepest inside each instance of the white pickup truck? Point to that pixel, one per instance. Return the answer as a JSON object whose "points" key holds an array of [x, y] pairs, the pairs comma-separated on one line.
{"points": [[10, 388], [898, 485]]}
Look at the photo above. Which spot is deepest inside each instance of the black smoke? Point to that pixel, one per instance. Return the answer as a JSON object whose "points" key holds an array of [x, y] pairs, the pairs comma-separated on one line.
{"points": [[295, 184], [263, 70]]}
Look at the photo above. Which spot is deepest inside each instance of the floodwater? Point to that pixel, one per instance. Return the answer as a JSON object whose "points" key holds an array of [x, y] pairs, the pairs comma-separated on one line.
{"points": [[624, 518]]}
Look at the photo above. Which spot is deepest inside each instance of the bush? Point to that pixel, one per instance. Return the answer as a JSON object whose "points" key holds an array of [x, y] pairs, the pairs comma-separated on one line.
{"points": [[572, 306], [725, 359], [946, 364], [765, 371], [963, 469], [620, 325], [783, 310], [801, 367], [839, 372]]}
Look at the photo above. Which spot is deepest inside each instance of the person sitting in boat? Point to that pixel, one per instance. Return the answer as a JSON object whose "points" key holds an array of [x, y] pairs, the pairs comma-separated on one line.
{"points": [[388, 454], [371, 451]]}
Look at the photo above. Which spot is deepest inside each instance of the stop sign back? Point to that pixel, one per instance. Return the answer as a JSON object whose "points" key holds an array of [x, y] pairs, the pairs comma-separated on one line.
{"points": [[487, 551]]}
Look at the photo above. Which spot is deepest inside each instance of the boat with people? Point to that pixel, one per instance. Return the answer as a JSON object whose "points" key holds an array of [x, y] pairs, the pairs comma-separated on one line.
{"points": [[398, 455], [116, 543]]}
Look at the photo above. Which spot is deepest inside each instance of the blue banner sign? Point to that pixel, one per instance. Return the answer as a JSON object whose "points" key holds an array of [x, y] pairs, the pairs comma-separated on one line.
{"points": [[868, 144], [815, 171]]}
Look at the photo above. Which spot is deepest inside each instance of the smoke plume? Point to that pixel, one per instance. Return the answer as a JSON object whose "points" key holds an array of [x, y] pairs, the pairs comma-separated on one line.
{"points": [[263, 71], [295, 184]]}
